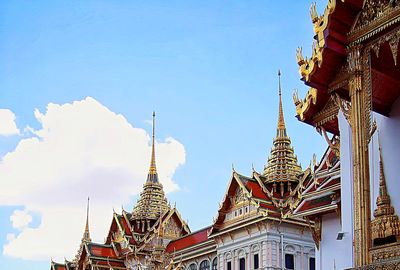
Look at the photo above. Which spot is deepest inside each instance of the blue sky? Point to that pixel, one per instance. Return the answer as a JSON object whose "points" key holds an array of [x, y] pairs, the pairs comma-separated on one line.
{"points": [[209, 69]]}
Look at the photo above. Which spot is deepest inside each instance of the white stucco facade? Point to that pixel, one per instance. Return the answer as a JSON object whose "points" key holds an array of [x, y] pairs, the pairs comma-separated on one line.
{"points": [[264, 240]]}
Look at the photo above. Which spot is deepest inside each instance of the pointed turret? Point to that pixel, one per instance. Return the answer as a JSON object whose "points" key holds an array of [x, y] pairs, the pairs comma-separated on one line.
{"points": [[385, 226], [281, 128], [282, 169], [152, 175], [152, 202], [86, 234]]}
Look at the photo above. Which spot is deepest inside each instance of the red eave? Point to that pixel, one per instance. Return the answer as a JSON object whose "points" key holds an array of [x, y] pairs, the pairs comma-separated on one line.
{"points": [[108, 263], [189, 240], [316, 203], [102, 251]]}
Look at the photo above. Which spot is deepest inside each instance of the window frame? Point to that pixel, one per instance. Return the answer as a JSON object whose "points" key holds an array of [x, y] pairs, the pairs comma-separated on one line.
{"points": [[294, 261], [229, 265], [254, 261], [216, 264], [190, 266], [309, 263], [207, 263], [244, 263]]}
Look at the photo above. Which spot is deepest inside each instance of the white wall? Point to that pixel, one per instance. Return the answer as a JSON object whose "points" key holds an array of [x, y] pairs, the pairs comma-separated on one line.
{"points": [[266, 243], [332, 251]]}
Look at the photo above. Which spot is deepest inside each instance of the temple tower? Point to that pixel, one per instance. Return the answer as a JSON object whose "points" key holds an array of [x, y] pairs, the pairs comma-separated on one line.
{"points": [[152, 202], [282, 170]]}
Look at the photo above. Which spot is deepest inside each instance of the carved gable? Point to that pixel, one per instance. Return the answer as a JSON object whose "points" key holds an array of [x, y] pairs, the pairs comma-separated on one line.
{"points": [[171, 228]]}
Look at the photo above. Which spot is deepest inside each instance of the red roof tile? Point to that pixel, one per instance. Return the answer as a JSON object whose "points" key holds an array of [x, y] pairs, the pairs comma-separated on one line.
{"points": [[189, 240], [102, 251], [256, 190]]}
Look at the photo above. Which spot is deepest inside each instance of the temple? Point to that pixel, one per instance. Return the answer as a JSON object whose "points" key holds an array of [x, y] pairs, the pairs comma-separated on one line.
{"points": [[254, 227], [353, 79], [341, 212]]}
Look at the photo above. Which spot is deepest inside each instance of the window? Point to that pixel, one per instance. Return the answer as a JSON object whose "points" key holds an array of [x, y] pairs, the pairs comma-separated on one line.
{"points": [[289, 261], [214, 264], [205, 265], [193, 266], [255, 261], [229, 266], [242, 264], [311, 264]]}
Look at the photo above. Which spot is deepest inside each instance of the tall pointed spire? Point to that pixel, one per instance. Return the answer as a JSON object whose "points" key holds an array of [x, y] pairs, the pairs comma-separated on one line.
{"points": [[281, 128], [152, 175], [385, 226], [86, 234], [152, 198], [282, 167]]}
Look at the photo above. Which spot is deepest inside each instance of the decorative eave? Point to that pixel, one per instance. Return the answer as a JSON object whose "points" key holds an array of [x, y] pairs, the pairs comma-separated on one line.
{"points": [[330, 42], [389, 17], [321, 193], [304, 106], [329, 52]]}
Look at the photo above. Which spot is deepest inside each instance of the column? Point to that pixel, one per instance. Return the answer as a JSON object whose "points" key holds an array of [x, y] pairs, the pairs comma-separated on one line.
{"points": [[358, 118]]}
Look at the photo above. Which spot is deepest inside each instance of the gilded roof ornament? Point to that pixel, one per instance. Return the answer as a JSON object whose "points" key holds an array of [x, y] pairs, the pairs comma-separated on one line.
{"points": [[152, 201], [152, 175], [282, 164], [86, 234], [385, 224]]}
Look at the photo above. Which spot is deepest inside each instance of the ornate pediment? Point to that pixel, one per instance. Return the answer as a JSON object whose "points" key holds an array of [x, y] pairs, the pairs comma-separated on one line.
{"points": [[171, 229], [238, 197], [372, 10]]}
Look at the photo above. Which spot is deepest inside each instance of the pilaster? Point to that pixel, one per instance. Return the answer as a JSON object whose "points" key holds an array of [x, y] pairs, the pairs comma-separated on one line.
{"points": [[359, 116]]}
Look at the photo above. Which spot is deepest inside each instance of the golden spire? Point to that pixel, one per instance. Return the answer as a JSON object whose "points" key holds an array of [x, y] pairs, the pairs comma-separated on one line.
{"points": [[86, 234], [385, 224], [282, 164], [281, 129], [152, 198], [153, 176]]}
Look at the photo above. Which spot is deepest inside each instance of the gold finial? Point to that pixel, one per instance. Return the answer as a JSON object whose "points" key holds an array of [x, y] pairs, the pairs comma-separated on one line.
{"points": [[86, 234], [281, 120], [299, 56], [314, 13], [152, 176], [383, 197], [385, 223]]}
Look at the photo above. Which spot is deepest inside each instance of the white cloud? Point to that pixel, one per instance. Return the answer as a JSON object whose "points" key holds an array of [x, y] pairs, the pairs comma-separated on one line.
{"points": [[20, 219], [7, 123], [81, 149]]}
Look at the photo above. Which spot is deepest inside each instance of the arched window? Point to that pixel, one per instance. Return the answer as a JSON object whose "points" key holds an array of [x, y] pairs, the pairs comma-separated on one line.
{"points": [[242, 264], [205, 265], [214, 264], [193, 266], [289, 261]]}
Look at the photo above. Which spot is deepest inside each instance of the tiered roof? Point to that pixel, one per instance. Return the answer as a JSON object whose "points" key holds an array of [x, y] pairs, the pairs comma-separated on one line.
{"points": [[385, 226], [152, 202], [134, 232], [272, 194], [321, 192], [282, 170]]}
